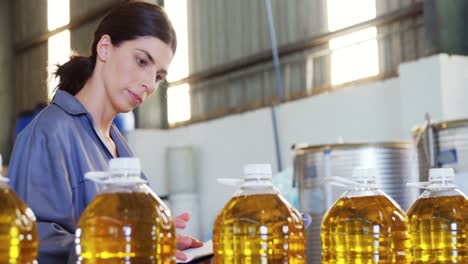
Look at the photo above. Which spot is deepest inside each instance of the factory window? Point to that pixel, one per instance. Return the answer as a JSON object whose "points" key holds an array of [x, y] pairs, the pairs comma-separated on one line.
{"points": [[178, 103], [353, 56], [58, 15], [178, 97]]}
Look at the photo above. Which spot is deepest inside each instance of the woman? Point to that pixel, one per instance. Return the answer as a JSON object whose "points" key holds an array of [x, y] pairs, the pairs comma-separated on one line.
{"points": [[131, 52]]}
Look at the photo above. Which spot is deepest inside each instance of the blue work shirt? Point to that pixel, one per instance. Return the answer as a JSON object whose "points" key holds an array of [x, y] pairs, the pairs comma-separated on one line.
{"points": [[47, 167]]}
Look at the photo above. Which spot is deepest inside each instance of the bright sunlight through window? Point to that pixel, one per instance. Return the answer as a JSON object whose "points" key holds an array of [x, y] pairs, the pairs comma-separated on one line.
{"points": [[354, 56], [58, 15], [178, 98], [179, 65], [59, 53], [178, 103]]}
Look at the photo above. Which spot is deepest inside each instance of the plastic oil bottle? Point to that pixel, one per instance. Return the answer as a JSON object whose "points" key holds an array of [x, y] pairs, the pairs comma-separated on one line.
{"points": [[126, 222], [258, 225], [18, 231], [439, 221], [364, 225]]}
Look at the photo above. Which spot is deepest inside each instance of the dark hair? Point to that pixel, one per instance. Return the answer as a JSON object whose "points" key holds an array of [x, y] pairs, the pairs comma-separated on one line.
{"points": [[127, 21]]}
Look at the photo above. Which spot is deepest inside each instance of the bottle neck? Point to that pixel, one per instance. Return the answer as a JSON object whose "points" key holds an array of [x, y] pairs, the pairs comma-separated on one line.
{"points": [[441, 188], [363, 188], [367, 188], [257, 183], [103, 188], [358, 192], [354, 185], [256, 186], [441, 184], [364, 185]]}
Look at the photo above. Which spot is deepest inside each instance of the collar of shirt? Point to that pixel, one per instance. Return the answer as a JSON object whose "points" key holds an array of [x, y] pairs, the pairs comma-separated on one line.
{"points": [[69, 103], [74, 107]]}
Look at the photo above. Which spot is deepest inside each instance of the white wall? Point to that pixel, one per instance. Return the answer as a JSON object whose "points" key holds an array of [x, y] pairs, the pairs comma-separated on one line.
{"points": [[420, 84], [380, 111], [150, 146], [454, 72], [358, 114], [437, 85]]}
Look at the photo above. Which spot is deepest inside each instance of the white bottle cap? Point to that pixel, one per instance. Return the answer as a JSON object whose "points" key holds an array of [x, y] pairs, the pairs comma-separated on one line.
{"points": [[441, 174], [131, 165], [257, 171], [364, 174], [125, 171]]}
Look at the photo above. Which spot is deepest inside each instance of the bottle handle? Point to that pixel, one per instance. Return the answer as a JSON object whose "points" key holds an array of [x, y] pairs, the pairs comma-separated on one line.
{"points": [[307, 219], [343, 182], [230, 181], [98, 176], [421, 185], [105, 177]]}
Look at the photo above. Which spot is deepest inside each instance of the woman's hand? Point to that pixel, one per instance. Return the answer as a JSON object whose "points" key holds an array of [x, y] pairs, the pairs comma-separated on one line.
{"points": [[183, 241]]}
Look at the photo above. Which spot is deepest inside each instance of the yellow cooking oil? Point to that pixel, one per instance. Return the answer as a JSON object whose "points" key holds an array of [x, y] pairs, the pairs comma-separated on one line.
{"points": [[438, 230], [259, 228], [365, 229], [439, 221], [364, 225], [126, 227], [18, 231]]}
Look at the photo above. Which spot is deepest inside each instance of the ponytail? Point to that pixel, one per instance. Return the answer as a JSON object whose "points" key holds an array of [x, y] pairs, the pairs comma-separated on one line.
{"points": [[74, 73]]}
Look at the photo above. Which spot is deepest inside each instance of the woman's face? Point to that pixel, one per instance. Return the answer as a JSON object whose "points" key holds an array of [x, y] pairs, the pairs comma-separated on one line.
{"points": [[133, 69]]}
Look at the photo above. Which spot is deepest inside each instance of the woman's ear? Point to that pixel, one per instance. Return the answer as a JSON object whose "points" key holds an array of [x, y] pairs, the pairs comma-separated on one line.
{"points": [[103, 48]]}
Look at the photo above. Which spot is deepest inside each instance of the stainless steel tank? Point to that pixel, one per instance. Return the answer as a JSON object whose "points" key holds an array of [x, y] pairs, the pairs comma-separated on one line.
{"points": [[443, 144], [395, 163]]}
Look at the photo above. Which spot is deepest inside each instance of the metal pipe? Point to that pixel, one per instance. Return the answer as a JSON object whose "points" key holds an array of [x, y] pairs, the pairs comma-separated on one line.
{"points": [[430, 142], [279, 82]]}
